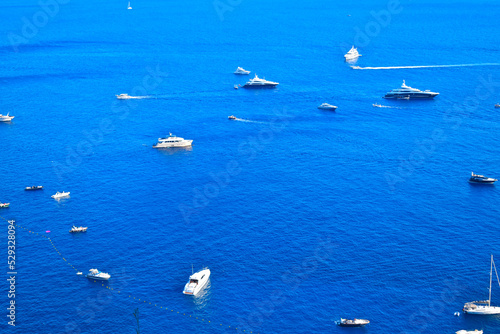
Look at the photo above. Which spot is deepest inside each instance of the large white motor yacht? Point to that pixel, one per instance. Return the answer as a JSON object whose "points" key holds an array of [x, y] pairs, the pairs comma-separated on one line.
{"points": [[352, 54], [407, 92], [60, 195], [172, 141], [260, 83], [6, 118], [196, 282], [241, 70], [99, 275]]}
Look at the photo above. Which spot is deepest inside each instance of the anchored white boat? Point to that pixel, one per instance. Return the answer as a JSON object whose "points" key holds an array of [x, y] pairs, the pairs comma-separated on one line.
{"points": [[75, 229], [463, 331], [129, 7], [352, 322], [60, 195], [257, 82], [476, 178], [172, 141], [484, 307], [34, 188], [326, 106], [240, 70], [6, 118], [352, 54], [196, 282], [99, 275]]}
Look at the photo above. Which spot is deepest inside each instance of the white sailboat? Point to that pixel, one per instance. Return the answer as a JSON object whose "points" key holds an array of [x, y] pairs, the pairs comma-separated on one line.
{"points": [[129, 7], [484, 307]]}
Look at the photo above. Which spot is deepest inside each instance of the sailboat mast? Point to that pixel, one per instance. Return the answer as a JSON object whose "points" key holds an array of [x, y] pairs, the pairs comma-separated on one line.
{"points": [[491, 272]]}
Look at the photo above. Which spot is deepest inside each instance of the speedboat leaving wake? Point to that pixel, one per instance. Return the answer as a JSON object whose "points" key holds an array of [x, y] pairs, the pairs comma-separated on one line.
{"points": [[381, 106], [421, 66], [128, 97]]}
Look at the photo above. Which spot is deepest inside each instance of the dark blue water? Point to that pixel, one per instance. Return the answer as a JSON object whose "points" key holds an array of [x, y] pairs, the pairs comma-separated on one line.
{"points": [[303, 216]]}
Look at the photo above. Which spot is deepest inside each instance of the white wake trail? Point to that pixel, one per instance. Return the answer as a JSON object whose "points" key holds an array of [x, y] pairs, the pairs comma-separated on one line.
{"points": [[421, 66]]}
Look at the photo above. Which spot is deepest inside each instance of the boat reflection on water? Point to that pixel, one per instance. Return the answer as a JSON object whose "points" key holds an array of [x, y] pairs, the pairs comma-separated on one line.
{"points": [[175, 150]]}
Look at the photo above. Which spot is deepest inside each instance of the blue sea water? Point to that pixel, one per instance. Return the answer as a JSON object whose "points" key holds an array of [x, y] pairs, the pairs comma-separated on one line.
{"points": [[303, 216]]}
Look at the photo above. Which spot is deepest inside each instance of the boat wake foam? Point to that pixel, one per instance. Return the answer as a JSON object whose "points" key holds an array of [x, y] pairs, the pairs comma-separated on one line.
{"points": [[247, 120], [421, 66], [390, 107]]}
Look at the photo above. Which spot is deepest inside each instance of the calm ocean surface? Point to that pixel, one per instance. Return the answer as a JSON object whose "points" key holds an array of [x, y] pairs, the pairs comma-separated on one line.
{"points": [[303, 216]]}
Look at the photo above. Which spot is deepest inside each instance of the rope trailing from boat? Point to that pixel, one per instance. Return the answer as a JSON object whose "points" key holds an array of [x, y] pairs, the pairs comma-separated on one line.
{"points": [[130, 296]]}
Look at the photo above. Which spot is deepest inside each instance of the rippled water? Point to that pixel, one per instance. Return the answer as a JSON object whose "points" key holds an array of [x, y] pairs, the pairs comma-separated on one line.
{"points": [[303, 216]]}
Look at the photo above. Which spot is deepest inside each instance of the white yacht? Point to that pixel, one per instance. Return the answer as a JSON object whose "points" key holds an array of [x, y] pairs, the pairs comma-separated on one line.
{"points": [[407, 92], [484, 307], [240, 70], [463, 331], [476, 178], [75, 229], [99, 275], [258, 83], [60, 195], [172, 141], [326, 106], [196, 282], [6, 118], [352, 54]]}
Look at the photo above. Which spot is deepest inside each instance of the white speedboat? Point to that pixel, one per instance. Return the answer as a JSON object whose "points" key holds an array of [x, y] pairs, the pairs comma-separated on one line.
{"points": [[326, 106], [352, 54], [240, 70], [4, 205], [6, 118], [257, 82], [463, 331], [377, 105], [483, 307], [476, 178], [407, 92], [231, 117], [172, 141], [99, 275], [34, 188], [60, 195], [352, 322], [75, 229], [497, 105], [196, 282]]}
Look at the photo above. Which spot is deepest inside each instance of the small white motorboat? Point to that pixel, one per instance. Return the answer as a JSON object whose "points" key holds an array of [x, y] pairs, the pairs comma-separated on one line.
{"points": [[4, 205], [75, 229], [326, 106], [60, 195], [463, 331], [6, 118], [196, 282], [129, 7], [240, 70], [231, 117], [377, 105], [352, 54], [34, 188], [99, 275], [352, 322]]}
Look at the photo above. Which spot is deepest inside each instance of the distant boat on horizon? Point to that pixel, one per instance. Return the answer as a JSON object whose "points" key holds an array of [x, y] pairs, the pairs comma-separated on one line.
{"points": [[129, 7]]}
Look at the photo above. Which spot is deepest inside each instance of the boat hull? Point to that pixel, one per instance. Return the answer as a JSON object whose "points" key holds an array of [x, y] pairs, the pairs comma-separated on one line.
{"points": [[260, 86], [484, 310], [187, 143], [422, 96]]}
